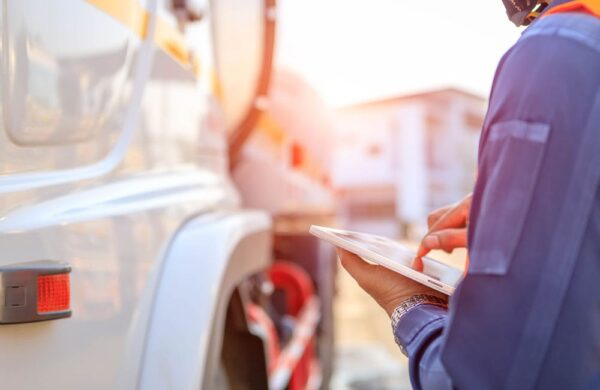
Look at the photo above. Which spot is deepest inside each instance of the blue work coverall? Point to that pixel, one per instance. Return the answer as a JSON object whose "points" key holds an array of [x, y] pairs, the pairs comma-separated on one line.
{"points": [[527, 315]]}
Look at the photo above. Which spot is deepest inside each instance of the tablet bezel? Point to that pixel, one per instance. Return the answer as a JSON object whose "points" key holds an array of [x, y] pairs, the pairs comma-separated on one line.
{"points": [[330, 235]]}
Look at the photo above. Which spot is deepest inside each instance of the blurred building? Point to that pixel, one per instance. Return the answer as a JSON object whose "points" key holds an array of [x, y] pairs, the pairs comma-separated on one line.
{"points": [[399, 158]]}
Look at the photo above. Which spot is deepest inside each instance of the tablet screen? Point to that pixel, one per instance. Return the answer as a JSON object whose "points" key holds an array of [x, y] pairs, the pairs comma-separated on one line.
{"points": [[395, 252]]}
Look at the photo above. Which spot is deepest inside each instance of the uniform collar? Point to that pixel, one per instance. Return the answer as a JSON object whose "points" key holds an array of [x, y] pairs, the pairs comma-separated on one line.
{"points": [[549, 7]]}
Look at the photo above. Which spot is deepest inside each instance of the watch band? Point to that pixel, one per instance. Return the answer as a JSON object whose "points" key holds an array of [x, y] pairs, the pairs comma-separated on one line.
{"points": [[414, 301]]}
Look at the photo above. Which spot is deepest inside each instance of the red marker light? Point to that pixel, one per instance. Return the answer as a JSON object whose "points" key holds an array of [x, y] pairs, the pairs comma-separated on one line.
{"points": [[53, 293]]}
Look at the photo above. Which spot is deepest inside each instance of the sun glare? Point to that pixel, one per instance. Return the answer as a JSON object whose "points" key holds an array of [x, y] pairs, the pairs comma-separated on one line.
{"points": [[352, 50]]}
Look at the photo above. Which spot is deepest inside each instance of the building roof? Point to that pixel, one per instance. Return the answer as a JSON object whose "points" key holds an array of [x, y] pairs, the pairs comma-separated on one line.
{"points": [[443, 93]]}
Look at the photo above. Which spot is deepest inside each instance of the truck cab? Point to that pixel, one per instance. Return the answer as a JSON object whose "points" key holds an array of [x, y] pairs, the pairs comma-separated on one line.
{"points": [[120, 122]]}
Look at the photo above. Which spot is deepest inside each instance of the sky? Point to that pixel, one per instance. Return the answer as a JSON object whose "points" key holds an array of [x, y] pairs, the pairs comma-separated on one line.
{"points": [[353, 51]]}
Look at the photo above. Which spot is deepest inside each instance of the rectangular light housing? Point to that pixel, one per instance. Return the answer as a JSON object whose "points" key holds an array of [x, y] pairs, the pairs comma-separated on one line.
{"points": [[34, 291]]}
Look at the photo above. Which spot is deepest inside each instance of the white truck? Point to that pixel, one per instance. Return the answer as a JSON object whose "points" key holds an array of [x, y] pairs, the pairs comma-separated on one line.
{"points": [[127, 259]]}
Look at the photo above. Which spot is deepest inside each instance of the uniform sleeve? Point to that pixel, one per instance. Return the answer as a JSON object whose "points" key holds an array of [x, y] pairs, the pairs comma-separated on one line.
{"points": [[418, 333]]}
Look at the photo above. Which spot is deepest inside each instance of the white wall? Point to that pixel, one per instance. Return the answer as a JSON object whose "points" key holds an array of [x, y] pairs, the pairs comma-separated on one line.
{"points": [[426, 152], [410, 174]]}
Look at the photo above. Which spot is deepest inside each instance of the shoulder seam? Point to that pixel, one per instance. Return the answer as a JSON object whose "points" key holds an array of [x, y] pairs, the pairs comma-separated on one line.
{"points": [[583, 29]]}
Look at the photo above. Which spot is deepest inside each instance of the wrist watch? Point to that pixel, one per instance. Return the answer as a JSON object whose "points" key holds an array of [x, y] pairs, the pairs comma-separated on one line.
{"points": [[407, 305]]}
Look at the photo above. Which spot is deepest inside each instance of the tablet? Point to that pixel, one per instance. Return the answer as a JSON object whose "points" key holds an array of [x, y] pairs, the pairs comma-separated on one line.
{"points": [[393, 255]]}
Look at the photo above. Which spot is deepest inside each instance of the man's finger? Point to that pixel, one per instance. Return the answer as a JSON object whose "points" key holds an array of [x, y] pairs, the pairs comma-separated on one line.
{"points": [[356, 267], [422, 251], [417, 263], [454, 218], [435, 215], [366, 275], [446, 240]]}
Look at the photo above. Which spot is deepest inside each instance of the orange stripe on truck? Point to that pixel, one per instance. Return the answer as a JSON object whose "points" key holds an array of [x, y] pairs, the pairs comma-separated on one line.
{"points": [[129, 12], [166, 36]]}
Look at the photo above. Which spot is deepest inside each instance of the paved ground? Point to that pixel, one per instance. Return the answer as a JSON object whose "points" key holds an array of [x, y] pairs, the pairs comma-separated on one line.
{"points": [[367, 357]]}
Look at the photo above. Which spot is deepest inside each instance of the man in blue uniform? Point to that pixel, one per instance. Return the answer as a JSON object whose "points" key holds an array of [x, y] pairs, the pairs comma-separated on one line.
{"points": [[527, 314]]}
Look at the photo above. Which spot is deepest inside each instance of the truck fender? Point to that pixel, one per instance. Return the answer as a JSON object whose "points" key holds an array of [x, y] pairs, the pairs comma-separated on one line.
{"points": [[206, 260]]}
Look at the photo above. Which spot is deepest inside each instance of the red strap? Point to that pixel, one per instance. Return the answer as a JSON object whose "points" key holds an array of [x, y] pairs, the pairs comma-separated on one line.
{"points": [[591, 7]]}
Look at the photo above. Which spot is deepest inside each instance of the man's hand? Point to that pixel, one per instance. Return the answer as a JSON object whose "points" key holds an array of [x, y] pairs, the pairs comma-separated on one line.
{"points": [[388, 288], [447, 229]]}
